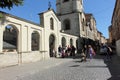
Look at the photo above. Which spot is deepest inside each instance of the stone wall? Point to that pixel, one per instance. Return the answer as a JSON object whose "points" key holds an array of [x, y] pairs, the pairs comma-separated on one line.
{"points": [[118, 47], [14, 58], [8, 59]]}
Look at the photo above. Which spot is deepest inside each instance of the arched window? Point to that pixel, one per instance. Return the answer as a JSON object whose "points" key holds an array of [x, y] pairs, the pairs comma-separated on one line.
{"points": [[51, 23], [35, 41], [66, 24], [10, 38]]}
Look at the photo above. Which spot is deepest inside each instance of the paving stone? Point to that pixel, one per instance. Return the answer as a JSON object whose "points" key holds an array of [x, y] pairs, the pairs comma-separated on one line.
{"points": [[65, 69], [74, 70]]}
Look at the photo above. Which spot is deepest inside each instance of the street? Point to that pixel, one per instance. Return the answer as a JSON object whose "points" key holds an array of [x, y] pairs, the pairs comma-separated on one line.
{"points": [[65, 69], [95, 69]]}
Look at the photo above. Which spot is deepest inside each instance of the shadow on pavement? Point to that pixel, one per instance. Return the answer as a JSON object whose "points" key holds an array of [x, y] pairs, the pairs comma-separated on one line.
{"points": [[96, 66], [114, 67], [74, 66]]}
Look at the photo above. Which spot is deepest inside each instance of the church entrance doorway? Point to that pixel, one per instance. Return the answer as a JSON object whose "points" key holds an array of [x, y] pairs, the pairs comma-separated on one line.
{"points": [[52, 45]]}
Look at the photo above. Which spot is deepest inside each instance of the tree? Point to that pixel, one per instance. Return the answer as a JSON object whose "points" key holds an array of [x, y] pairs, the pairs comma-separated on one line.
{"points": [[10, 3]]}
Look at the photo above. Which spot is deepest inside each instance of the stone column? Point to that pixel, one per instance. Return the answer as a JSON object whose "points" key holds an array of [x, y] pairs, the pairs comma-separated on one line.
{"points": [[29, 33], [1, 38]]}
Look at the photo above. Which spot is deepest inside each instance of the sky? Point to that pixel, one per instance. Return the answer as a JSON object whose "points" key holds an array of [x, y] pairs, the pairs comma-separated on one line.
{"points": [[102, 11]]}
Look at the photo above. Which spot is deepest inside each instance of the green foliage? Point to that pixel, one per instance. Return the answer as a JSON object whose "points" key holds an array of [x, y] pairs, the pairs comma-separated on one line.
{"points": [[10, 3], [1, 15]]}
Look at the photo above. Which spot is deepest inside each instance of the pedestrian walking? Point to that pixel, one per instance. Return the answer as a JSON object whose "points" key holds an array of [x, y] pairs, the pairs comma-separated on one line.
{"points": [[84, 53], [91, 52], [108, 53]]}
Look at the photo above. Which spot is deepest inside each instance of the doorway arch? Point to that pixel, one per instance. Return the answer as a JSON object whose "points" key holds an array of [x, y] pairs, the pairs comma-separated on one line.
{"points": [[63, 42], [71, 42], [35, 41], [52, 45]]}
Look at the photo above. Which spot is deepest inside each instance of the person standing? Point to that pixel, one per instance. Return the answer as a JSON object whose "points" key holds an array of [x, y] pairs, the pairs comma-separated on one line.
{"points": [[68, 50], [109, 52], [54, 53], [73, 50], [60, 50]]}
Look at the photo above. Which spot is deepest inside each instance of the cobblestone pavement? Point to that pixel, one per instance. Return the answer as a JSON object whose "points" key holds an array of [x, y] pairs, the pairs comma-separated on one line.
{"points": [[94, 69]]}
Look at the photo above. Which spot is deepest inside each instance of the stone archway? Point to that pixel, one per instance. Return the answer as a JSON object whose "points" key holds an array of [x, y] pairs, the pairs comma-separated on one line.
{"points": [[71, 42], [10, 39], [35, 41], [52, 45], [63, 42]]}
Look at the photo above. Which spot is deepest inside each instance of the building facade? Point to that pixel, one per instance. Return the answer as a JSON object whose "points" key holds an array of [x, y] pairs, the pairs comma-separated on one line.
{"points": [[23, 41], [91, 26], [115, 27], [71, 15]]}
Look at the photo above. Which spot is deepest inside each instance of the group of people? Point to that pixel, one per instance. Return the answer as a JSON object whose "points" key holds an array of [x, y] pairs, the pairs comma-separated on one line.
{"points": [[66, 51], [87, 51]]}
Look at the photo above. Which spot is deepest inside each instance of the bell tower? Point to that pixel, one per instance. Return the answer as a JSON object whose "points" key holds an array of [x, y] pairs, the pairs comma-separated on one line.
{"points": [[69, 6], [70, 12]]}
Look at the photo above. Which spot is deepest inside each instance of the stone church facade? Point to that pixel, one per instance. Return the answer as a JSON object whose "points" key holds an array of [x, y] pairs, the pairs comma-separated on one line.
{"points": [[22, 41]]}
